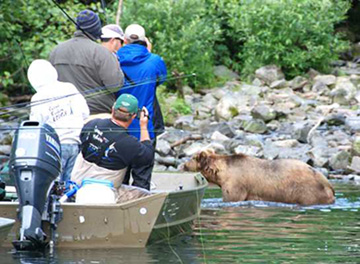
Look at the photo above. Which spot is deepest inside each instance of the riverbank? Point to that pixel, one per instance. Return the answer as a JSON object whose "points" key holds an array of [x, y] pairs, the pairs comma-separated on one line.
{"points": [[315, 119]]}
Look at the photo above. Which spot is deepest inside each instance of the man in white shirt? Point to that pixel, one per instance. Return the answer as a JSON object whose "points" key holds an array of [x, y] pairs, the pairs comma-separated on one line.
{"points": [[60, 105]]}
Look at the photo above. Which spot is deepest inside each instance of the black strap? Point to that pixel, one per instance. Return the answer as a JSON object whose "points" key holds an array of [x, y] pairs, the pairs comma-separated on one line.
{"points": [[129, 79]]}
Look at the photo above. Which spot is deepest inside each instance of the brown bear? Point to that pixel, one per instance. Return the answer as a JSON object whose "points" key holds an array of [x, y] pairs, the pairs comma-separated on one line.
{"points": [[244, 178]]}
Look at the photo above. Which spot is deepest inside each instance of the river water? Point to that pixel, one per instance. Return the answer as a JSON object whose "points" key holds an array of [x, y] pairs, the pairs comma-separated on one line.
{"points": [[244, 232]]}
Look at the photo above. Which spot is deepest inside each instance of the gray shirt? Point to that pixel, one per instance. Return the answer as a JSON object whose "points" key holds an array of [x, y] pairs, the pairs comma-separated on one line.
{"points": [[92, 68]]}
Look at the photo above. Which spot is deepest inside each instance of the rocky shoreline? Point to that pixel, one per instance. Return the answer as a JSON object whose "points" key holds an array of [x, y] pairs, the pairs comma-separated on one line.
{"points": [[314, 119]]}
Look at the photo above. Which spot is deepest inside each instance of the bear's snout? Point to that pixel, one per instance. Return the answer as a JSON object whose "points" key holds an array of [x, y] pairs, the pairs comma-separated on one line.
{"points": [[190, 165]]}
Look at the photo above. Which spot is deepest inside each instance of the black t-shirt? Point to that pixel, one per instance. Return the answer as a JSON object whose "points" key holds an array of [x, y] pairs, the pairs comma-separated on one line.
{"points": [[110, 146]]}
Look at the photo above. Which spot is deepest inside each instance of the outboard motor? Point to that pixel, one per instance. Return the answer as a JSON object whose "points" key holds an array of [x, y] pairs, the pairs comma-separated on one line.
{"points": [[35, 162]]}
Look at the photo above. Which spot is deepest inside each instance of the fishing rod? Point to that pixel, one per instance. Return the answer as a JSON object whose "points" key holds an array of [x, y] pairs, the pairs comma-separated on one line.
{"points": [[71, 19], [102, 90]]}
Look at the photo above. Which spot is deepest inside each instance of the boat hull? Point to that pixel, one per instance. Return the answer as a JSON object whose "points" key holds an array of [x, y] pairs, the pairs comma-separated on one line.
{"points": [[181, 207], [99, 226], [169, 211], [5, 227]]}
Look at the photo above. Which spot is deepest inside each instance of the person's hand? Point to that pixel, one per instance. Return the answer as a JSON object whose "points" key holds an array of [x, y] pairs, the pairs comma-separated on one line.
{"points": [[148, 44], [144, 117]]}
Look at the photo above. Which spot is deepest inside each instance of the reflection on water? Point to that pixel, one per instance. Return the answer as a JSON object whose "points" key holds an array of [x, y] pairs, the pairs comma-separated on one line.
{"points": [[244, 232]]}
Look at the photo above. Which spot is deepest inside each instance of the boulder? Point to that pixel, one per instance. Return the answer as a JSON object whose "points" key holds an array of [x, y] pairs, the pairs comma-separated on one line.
{"points": [[269, 74]]}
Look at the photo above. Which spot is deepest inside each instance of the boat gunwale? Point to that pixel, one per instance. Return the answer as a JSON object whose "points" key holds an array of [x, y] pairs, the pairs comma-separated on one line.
{"points": [[124, 205]]}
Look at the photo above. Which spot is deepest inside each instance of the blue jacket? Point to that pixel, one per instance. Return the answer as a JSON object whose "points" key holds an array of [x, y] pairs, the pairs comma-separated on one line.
{"points": [[146, 71]]}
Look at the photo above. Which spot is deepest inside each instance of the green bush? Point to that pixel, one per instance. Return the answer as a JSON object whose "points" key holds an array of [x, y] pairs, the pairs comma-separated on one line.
{"points": [[180, 31], [293, 34], [171, 106], [29, 30]]}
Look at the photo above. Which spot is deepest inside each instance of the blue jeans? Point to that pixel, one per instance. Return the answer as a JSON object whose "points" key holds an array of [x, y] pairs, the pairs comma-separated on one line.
{"points": [[69, 153]]}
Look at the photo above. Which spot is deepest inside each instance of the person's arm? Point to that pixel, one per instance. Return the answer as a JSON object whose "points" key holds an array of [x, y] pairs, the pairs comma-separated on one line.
{"points": [[144, 120], [109, 71]]}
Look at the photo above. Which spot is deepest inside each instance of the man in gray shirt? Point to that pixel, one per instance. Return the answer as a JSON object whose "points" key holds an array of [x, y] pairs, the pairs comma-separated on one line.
{"points": [[93, 69]]}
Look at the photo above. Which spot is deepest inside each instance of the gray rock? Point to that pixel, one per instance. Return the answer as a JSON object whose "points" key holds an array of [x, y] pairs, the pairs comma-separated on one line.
{"points": [[188, 90], [248, 150], [279, 84], [302, 129], [251, 90], [355, 164], [344, 91], [353, 123], [226, 108], [255, 126], [269, 74], [356, 146], [298, 82], [340, 161], [167, 161], [171, 135], [217, 136], [159, 167], [320, 88], [185, 122], [326, 79], [320, 155], [194, 148], [224, 73], [223, 127], [258, 82], [163, 147], [357, 96], [5, 149], [263, 112], [273, 151]]}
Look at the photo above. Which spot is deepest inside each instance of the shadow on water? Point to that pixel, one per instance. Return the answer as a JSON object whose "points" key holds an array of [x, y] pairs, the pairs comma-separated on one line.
{"points": [[243, 232]]}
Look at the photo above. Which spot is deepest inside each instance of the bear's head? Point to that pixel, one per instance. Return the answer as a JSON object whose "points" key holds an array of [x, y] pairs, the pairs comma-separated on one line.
{"points": [[204, 163]]}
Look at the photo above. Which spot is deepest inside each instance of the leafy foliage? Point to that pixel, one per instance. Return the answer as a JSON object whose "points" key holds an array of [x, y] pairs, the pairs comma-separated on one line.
{"points": [[295, 35], [172, 106], [181, 32], [30, 30], [191, 35]]}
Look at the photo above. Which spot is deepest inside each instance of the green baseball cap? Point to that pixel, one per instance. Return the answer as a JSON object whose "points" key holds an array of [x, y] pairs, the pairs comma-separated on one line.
{"points": [[127, 101]]}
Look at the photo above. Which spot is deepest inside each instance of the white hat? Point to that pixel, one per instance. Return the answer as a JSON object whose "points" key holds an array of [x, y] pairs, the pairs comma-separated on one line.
{"points": [[134, 33], [112, 31]]}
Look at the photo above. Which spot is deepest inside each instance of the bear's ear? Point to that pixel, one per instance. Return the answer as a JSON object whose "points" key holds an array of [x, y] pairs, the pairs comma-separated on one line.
{"points": [[210, 151], [202, 159]]}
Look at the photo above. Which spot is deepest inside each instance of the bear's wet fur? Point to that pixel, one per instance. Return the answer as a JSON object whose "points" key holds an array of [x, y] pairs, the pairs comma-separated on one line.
{"points": [[242, 178]]}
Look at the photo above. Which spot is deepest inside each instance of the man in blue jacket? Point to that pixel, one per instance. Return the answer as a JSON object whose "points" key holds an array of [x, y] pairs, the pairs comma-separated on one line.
{"points": [[143, 72]]}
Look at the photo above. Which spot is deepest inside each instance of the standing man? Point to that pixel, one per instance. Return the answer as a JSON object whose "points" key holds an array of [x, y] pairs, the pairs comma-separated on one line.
{"points": [[143, 71], [61, 106], [89, 66], [112, 37], [106, 147]]}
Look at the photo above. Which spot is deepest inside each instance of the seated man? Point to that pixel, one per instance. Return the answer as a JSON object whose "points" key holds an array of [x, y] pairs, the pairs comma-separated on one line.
{"points": [[107, 149]]}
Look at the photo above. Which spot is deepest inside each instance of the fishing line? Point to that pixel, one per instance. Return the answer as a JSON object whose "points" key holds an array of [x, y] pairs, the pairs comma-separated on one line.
{"points": [[70, 18], [92, 92]]}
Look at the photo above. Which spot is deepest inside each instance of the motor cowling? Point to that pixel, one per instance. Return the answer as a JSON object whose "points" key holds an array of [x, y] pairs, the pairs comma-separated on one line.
{"points": [[35, 162]]}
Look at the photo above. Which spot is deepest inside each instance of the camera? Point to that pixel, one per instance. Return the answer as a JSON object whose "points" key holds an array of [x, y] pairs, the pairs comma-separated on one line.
{"points": [[138, 113]]}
